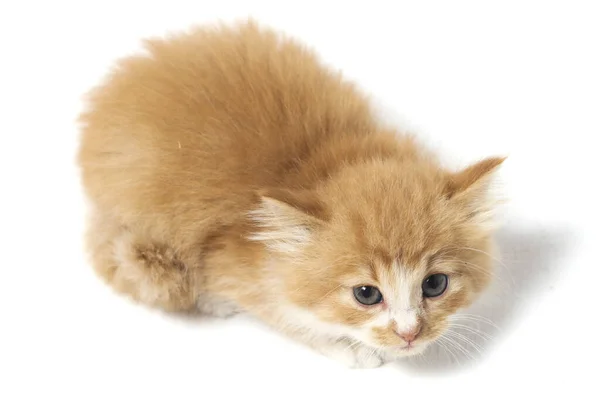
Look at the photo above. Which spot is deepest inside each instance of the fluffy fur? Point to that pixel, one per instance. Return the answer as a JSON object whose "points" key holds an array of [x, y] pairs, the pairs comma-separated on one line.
{"points": [[229, 170]]}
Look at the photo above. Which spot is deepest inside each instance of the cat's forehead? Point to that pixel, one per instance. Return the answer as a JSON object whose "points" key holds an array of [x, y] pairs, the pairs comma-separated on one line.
{"points": [[396, 221], [403, 241], [386, 268], [379, 268]]}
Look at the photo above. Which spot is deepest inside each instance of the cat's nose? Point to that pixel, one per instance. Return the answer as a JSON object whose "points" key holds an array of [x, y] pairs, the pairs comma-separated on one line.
{"points": [[410, 335]]}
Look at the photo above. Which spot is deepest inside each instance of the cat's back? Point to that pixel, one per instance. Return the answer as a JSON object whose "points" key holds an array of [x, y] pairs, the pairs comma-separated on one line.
{"points": [[209, 115]]}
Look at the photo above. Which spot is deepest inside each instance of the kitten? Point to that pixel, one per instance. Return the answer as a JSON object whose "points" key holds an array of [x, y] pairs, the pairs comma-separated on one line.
{"points": [[228, 170]]}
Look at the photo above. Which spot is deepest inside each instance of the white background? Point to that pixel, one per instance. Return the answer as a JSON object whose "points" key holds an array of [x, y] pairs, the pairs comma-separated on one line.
{"points": [[475, 78]]}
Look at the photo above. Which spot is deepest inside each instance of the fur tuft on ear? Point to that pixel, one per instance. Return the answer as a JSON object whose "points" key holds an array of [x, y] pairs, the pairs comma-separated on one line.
{"points": [[285, 220], [472, 189]]}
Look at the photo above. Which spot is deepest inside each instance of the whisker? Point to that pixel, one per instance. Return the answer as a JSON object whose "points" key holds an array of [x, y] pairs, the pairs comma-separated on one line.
{"points": [[353, 344], [328, 293], [443, 342], [464, 350], [473, 318], [467, 328], [474, 266], [458, 346], [496, 259], [375, 349], [464, 338]]}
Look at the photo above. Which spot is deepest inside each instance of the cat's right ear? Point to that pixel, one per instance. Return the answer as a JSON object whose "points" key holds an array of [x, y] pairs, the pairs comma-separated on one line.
{"points": [[285, 220]]}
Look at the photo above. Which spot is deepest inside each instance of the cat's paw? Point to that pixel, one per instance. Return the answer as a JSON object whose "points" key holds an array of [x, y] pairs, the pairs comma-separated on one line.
{"points": [[216, 306], [353, 355]]}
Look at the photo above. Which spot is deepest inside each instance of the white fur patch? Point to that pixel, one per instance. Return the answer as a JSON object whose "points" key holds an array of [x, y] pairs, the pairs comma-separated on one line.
{"points": [[402, 296], [330, 339], [299, 319], [405, 304], [216, 306]]}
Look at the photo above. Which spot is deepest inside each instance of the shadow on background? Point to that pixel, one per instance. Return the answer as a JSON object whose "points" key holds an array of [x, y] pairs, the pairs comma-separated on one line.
{"points": [[529, 262]]}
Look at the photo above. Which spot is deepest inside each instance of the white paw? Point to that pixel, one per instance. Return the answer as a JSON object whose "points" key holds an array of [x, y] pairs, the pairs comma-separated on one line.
{"points": [[217, 307], [353, 355]]}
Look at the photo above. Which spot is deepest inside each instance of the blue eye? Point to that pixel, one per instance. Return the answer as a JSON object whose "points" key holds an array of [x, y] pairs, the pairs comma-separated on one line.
{"points": [[434, 285], [367, 295]]}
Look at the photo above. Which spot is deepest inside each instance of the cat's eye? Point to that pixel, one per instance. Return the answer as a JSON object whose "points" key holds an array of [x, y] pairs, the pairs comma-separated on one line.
{"points": [[434, 285], [367, 295]]}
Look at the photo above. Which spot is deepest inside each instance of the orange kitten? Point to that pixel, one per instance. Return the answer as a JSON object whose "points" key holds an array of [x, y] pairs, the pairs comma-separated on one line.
{"points": [[229, 171]]}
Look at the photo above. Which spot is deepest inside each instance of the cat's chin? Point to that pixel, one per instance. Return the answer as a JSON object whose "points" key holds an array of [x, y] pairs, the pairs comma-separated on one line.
{"points": [[409, 351]]}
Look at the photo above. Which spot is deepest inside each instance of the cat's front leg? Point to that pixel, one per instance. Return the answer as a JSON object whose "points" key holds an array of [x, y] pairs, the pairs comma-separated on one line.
{"points": [[216, 306], [350, 353]]}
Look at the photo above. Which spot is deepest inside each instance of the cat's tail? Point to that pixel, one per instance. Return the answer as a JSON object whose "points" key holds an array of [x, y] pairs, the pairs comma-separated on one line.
{"points": [[148, 272]]}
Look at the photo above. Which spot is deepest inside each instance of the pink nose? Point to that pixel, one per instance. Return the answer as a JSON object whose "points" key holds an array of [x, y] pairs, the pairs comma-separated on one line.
{"points": [[410, 335]]}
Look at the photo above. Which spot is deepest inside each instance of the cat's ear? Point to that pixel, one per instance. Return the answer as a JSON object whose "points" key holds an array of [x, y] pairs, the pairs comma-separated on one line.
{"points": [[472, 189], [286, 220]]}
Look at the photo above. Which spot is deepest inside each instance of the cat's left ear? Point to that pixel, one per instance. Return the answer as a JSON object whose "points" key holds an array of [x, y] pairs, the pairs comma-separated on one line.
{"points": [[286, 220], [471, 188]]}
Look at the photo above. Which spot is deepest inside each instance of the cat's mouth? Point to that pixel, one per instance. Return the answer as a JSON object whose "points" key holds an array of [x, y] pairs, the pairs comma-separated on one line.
{"points": [[411, 348]]}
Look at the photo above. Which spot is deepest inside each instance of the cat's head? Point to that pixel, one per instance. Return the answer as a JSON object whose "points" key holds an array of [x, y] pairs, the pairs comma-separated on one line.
{"points": [[385, 251]]}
